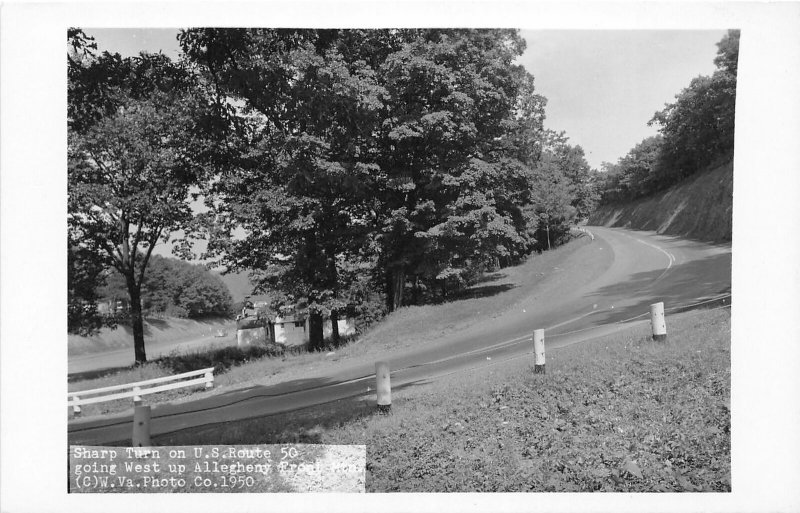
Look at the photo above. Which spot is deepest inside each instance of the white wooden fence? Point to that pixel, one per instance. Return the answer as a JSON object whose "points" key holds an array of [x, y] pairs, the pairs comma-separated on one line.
{"points": [[140, 388]]}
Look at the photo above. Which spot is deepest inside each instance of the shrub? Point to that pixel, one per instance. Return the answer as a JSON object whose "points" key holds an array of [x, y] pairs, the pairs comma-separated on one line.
{"points": [[221, 359]]}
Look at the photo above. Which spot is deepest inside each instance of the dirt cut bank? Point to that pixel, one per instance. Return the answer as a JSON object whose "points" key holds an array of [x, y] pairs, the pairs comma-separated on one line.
{"points": [[700, 207]]}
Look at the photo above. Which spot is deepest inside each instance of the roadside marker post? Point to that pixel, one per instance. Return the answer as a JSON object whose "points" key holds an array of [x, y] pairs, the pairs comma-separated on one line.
{"points": [[383, 387], [141, 426], [538, 352], [658, 322]]}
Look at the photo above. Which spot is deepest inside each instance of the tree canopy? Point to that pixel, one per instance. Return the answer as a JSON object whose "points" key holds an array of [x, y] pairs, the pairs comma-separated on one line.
{"points": [[392, 150], [132, 140], [695, 131], [346, 170], [174, 288]]}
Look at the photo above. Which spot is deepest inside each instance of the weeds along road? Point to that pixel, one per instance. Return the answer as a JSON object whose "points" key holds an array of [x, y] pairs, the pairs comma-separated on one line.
{"points": [[599, 289]]}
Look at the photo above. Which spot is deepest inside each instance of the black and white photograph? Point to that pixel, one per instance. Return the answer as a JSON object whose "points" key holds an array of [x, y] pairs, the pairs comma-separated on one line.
{"points": [[475, 260]]}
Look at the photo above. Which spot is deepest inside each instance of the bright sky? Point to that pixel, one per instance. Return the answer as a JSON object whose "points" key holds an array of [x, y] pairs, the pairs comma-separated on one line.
{"points": [[602, 86], [129, 42]]}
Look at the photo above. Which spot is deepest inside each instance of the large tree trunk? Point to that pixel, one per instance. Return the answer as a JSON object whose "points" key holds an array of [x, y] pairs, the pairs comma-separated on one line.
{"points": [[335, 327], [137, 321], [398, 288], [548, 236], [315, 338], [395, 286], [388, 286]]}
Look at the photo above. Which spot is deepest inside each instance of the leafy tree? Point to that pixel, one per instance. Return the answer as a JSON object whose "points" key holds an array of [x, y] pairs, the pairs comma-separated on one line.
{"points": [[199, 292], [571, 161], [359, 157], [80, 48], [526, 138], [695, 131], [636, 174], [727, 59], [159, 289], [452, 100], [85, 276], [484, 222], [698, 127], [130, 168], [551, 200], [175, 288], [299, 185]]}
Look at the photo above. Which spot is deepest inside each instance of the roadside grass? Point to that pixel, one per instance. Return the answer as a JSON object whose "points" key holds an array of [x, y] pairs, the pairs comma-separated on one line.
{"points": [[618, 413], [408, 326], [223, 359], [498, 292], [170, 329]]}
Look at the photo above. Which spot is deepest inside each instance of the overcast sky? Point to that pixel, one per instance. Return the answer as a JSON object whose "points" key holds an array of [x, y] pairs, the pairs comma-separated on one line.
{"points": [[602, 86]]}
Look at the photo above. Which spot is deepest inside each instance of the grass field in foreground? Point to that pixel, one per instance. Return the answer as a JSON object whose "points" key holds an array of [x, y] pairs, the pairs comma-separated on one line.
{"points": [[619, 413]]}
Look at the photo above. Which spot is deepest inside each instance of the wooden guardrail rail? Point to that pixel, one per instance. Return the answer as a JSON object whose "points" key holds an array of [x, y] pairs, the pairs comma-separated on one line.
{"points": [[140, 388]]}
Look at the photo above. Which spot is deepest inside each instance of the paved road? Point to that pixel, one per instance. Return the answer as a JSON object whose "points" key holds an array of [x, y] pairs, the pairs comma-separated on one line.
{"points": [[629, 270]]}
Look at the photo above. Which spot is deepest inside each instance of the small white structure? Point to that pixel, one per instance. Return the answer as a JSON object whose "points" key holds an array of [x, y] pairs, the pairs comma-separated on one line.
{"points": [[251, 336], [346, 327], [293, 330]]}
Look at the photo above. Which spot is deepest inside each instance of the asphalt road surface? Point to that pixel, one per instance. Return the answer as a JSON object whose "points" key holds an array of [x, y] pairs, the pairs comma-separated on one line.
{"points": [[625, 271]]}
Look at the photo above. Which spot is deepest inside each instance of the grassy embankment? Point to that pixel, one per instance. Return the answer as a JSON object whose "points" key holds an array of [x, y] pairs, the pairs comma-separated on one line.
{"points": [[403, 329], [619, 413], [157, 331]]}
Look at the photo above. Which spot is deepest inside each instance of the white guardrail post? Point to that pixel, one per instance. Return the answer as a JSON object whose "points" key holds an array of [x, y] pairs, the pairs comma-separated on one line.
{"points": [[658, 322], [141, 426], [383, 386], [538, 352]]}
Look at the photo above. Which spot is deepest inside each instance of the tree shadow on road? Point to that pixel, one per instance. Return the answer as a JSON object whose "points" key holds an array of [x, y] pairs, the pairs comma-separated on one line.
{"points": [[480, 292], [306, 425], [490, 277], [705, 277]]}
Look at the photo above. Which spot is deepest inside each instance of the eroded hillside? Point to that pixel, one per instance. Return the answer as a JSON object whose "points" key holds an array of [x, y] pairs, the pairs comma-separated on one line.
{"points": [[700, 207]]}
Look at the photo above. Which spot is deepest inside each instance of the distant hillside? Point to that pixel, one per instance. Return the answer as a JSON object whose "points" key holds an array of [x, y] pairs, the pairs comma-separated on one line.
{"points": [[239, 286], [700, 207]]}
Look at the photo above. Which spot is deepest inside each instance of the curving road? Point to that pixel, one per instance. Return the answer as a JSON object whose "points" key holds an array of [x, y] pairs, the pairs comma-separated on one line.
{"points": [[602, 287]]}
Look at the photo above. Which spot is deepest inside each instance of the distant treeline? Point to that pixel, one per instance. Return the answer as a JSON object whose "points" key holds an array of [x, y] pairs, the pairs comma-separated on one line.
{"points": [[173, 288], [695, 132]]}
